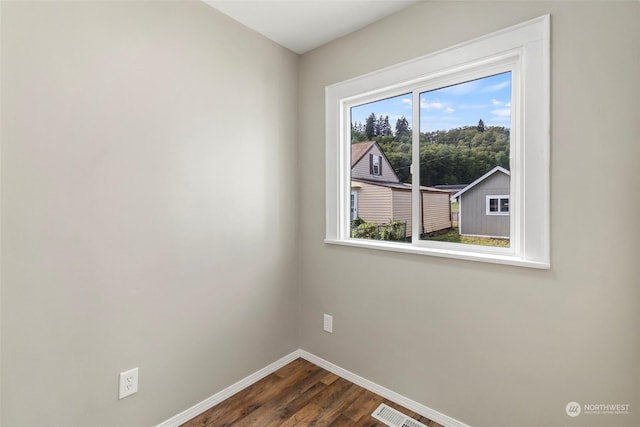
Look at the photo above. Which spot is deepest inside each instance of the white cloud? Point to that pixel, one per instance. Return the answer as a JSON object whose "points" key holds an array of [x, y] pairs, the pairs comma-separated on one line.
{"points": [[407, 102], [449, 110], [472, 106], [496, 87], [496, 102], [508, 104], [433, 105]]}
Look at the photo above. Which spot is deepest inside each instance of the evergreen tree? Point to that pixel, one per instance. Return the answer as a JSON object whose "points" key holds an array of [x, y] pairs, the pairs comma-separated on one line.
{"points": [[402, 127], [370, 126], [357, 133], [379, 125], [386, 127]]}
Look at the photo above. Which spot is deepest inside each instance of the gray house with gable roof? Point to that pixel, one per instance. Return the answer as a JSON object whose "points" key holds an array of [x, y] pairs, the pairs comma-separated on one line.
{"points": [[484, 205]]}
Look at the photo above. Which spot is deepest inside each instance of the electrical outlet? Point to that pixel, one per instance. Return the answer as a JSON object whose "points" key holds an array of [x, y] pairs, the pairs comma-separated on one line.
{"points": [[128, 383], [328, 323]]}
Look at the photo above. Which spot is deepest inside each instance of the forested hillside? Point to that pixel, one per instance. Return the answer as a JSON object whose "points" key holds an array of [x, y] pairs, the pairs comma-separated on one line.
{"points": [[455, 156]]}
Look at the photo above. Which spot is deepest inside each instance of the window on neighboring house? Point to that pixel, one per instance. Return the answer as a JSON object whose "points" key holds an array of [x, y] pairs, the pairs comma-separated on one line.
{"points": [[477, 115], [376, 165], [354, 204], [497, 205]]}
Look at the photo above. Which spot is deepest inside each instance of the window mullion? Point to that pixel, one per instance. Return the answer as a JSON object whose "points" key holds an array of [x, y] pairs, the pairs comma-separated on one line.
{"points": [[416, 202]]}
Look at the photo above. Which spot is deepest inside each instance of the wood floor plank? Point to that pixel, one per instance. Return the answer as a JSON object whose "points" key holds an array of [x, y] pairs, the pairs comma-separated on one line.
{"points": [[299, 394], [365, 404], [334, 410], [304, 417], [243, 403], [331, 393], [341, 421], [296, 404], [290, 400], [329, 378], [292, 368], [274, 391]]}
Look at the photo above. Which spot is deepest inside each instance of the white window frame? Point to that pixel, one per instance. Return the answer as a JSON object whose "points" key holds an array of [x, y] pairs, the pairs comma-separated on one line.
{"points": [[522, 49], [499, 211]]}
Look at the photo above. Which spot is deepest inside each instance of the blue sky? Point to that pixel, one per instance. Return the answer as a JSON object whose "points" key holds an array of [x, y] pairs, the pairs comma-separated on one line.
{"points": [[455, 106]]}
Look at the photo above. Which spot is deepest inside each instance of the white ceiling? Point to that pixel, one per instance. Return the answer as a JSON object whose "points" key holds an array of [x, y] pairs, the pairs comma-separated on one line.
{"points": [[302, 25]]}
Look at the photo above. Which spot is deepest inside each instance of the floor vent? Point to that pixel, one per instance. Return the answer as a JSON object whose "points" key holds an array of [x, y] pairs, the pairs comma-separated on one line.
{"points": [[394, 418]]}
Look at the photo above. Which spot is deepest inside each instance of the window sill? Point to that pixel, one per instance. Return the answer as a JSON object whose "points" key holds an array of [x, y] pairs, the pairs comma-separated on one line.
{"points": [[444, 253]]}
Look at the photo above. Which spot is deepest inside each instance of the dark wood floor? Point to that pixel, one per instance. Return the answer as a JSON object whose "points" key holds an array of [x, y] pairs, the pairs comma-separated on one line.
{"points": [[299, 394]]}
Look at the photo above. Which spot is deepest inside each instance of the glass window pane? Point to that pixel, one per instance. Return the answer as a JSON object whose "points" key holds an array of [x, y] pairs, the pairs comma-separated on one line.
{"points": [[464, 157], [380, 169], [504, 205], [376, 165]]}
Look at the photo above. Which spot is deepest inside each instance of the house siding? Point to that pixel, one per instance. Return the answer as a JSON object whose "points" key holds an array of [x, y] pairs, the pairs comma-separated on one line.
{"points": [[402, 208], [381, 204], [374, 203], [362, 168], [473, 217], [436, 211]]}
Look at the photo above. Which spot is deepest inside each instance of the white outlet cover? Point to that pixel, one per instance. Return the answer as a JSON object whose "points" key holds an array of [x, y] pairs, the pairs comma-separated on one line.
{"points": [[128, 383], [328, 323]]}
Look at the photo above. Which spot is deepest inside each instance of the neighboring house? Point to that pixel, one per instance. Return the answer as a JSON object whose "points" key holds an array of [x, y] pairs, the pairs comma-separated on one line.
{"points": [[484, 205], [377, 195]]}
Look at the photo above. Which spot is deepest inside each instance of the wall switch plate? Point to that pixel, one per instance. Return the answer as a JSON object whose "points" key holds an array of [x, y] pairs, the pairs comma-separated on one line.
{"points": [[328, 323], [128, 383]]}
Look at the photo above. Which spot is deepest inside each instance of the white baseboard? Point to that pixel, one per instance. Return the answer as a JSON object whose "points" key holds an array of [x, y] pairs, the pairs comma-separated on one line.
{"points": [[210, 402], [412, 405]]}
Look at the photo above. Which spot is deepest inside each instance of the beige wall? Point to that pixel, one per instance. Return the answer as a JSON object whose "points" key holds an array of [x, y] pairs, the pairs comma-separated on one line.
{"points": [[148, 208], [487, 344]]}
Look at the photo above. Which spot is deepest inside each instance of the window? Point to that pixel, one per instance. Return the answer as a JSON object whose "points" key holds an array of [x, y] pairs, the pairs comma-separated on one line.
{"points": [[354, 205], [376, 167], [497, 205], [496, 161]]}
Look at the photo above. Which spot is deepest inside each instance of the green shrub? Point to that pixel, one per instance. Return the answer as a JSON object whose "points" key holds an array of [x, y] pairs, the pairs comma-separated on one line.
{"points": [[356, 222], [366, 230], [393, 230]]}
